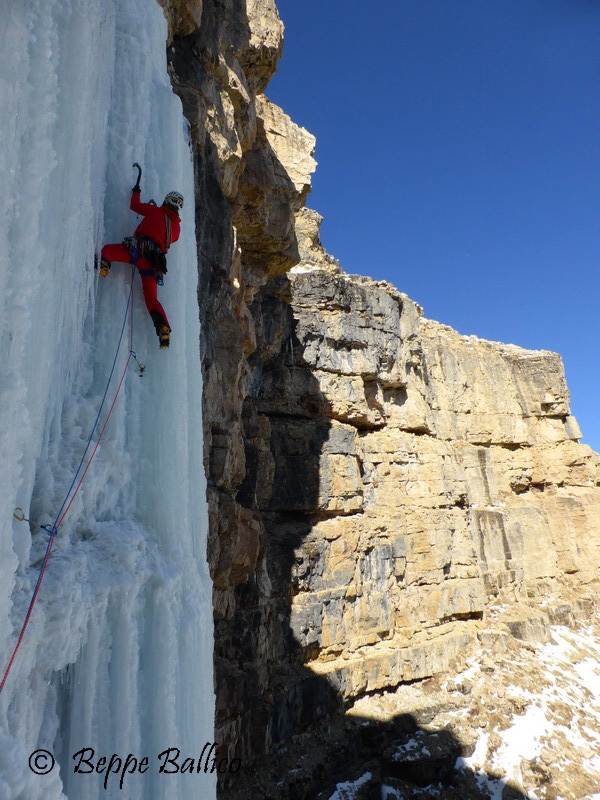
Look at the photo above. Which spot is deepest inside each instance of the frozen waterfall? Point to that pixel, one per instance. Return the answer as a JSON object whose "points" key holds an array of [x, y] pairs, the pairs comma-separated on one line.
{"points": [[118, 653]]}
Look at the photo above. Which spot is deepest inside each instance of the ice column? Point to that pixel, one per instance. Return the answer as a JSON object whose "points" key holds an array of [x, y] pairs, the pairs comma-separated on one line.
{"points": [[118, 655]]}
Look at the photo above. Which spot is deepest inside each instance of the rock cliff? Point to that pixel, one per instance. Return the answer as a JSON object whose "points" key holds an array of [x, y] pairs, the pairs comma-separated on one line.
{"points": [[387, 497]]}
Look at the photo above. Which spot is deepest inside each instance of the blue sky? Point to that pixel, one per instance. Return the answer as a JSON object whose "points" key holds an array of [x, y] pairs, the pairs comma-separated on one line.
{"points": [[459, 159]]}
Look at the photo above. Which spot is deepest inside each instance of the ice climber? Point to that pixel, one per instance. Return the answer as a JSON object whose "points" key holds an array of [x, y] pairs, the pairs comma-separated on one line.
{"points": [[147, 249]]}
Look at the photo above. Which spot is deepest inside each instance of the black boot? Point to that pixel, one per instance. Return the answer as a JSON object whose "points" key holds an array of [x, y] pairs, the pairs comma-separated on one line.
{"points": [[158, 320], [162, 329]]}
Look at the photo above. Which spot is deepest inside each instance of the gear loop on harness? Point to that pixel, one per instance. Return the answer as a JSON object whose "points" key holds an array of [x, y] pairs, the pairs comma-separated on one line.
{"points": [[130, 244]]}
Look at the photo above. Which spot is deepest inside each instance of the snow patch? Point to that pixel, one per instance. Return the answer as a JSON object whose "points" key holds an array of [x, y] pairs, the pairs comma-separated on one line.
{"points": [[347, 790]]}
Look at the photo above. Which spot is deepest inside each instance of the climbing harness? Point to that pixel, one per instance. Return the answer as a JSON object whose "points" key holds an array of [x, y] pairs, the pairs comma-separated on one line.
{"points": [[52, 530], [149, 250]]}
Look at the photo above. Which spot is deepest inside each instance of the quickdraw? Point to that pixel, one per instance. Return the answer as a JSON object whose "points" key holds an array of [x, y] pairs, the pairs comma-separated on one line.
{"points": [[19, 514]]}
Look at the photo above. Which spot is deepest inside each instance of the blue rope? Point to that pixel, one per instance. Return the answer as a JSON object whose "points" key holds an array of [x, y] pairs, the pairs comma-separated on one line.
{"points": [[52, 530], [91, 436]]}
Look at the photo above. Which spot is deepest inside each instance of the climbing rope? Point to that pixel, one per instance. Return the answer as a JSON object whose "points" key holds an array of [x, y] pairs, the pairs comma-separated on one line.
{"points": [[52, 530]]}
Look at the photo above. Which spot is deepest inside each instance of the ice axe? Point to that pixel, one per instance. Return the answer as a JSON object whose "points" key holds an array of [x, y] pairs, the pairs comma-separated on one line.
{"points": [[137, 186]]}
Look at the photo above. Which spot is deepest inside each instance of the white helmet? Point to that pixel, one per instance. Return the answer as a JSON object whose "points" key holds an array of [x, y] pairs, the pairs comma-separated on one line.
{"points": [[174, 200]]}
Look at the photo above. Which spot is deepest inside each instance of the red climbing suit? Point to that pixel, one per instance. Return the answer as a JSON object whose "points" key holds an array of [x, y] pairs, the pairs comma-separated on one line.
{"points": [[162, 225]]}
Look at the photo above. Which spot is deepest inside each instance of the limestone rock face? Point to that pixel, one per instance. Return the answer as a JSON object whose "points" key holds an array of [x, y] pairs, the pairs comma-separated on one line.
{"points": [[441, 474], [183, 16], [386, 497], [273, 187], [312, 253]]}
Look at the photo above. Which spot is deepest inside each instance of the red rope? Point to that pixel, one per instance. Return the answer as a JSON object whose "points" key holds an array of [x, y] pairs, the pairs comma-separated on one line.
{"points": [[29, 612], [55, 528], [100, 435]]}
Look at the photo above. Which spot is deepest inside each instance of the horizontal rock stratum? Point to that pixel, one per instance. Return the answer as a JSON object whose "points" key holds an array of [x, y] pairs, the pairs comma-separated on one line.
{"points": [[450, 475], [438, 471]]}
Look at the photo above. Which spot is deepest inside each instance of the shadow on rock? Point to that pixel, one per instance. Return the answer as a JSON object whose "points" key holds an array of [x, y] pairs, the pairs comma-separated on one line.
{"points": [[287, 724]]}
